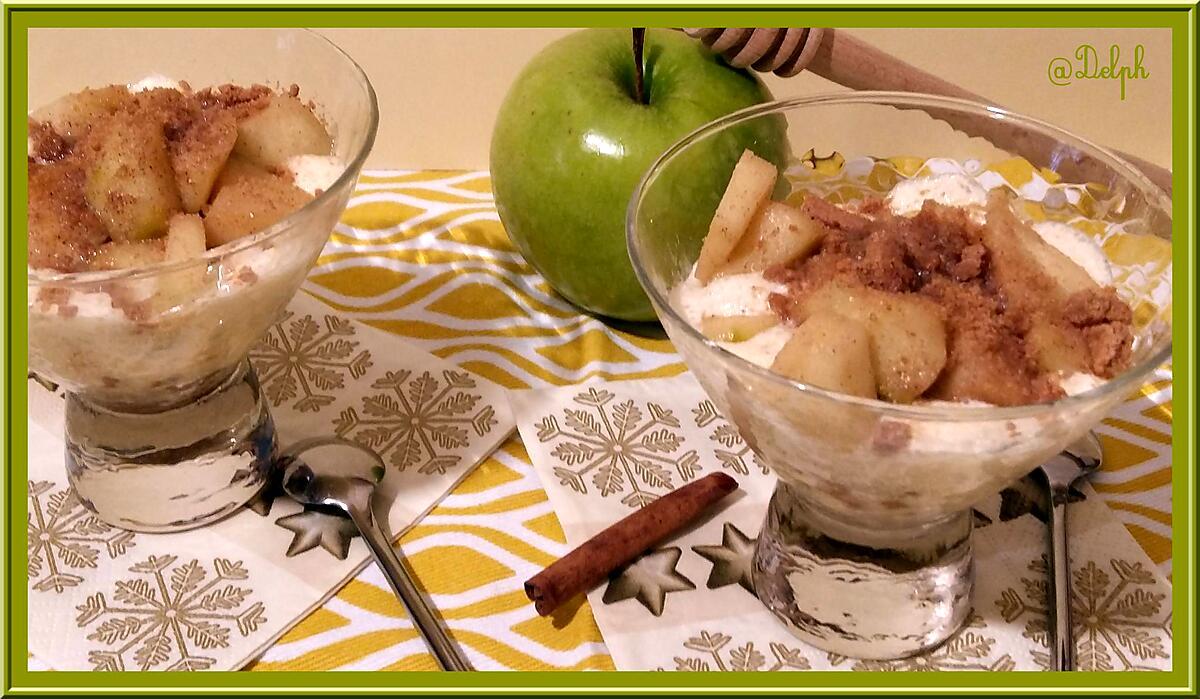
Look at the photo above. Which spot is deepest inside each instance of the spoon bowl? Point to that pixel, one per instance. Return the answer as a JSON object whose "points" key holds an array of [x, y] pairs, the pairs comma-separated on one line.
{"points": [[1082, 458], [339, 480], [344, 474]]}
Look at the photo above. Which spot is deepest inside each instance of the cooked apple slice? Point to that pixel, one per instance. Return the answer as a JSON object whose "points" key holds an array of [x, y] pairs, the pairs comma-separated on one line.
{"points": [[1054, 349], [199, 156], [736, 328], [908, 336], [238, 169], [129, 182], [749, 187], [250, 205], [829, 351], [778, 234], [128, 255], [285, 127], [72, 115], [1015, 248], [64, 232], [167, 105], [185, 240], [977, 372]]}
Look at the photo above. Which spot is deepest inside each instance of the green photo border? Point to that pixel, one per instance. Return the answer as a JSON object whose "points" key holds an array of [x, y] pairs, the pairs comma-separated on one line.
{"points": [[1179, 17]]}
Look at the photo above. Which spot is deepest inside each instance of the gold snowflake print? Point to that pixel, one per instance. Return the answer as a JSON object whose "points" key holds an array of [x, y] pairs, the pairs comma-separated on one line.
{"points": [[297, 360], [967, 649], [165, 620], [621, 447], [733, 452], [710, 653], [63, 535], [419, 422], [1119, 624]]}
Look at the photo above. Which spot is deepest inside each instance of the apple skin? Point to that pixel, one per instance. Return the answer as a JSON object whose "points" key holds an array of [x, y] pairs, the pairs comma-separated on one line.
{"points": [[571, 143]]}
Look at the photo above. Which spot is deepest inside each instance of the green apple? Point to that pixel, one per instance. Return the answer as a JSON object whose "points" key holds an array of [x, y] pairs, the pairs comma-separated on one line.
{"points": [[572, 141]]}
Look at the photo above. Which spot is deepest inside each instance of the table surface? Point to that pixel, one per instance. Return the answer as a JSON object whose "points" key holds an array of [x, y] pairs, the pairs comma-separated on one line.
{"points": [[423, 255]]}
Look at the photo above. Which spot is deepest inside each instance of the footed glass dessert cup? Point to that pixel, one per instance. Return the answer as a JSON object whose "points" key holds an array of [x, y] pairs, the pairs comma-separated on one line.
{"points": [[166, 428], [866, 550]]}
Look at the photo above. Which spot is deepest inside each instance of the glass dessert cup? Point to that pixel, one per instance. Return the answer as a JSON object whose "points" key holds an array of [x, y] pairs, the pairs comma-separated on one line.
{"points": [[866, 549], [165, 427]]}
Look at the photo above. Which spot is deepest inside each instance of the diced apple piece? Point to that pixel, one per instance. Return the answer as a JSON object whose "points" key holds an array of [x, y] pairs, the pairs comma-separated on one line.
{"points": [[829, 351], [285, 127], [128, 255], [238, 169], [63, 230], [1054, 349], [199, 156], [185, 240], [976, 372], [749, 187], [1016, 248], [130, 183], [908, 336], [736, 328], [72, 115], [778, 234], [250, 205], [167, 105]]}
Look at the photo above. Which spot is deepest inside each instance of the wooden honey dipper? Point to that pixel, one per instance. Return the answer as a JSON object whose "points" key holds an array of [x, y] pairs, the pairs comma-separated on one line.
{"points": [[853, 63]]}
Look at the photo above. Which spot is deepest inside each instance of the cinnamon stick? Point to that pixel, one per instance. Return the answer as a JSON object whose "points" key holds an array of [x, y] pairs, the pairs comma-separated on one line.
{"points": [[620, 544]]}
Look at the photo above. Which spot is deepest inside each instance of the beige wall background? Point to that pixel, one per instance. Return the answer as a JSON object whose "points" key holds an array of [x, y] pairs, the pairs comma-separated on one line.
{"points": [[440, 89]]}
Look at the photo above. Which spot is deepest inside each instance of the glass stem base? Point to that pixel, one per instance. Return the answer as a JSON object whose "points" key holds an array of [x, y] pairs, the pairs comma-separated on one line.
{"points": [[172, 469], [874, 593]]}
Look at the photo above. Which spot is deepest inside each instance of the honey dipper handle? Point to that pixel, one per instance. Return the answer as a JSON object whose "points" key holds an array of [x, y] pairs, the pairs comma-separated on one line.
{"points": [[853, 63]]}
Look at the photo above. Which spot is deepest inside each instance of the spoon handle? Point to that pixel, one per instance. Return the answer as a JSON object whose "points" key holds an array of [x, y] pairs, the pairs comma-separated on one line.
{"points": [[443, 648], [1062, 645]]}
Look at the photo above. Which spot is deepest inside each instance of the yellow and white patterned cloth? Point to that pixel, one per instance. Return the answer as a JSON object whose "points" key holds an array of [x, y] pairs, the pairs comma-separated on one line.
{"points": [[422, 254]]}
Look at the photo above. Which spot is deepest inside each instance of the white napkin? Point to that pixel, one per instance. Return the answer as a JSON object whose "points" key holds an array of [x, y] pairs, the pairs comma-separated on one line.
{"points": [[216, 597], [603, 449]]}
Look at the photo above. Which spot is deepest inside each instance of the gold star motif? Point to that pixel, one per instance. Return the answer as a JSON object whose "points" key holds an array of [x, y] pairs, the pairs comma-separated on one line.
{"points": [[732, 560], [261, 504], [649, 579], [313, 528]]}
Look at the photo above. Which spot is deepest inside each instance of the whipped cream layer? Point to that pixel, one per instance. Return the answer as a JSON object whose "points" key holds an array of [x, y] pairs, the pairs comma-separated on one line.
{"points": [[315, 173]]}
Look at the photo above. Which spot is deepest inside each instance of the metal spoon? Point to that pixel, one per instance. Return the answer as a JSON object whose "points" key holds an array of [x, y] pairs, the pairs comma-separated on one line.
{"points": [[1061, 471], [348, 484]]}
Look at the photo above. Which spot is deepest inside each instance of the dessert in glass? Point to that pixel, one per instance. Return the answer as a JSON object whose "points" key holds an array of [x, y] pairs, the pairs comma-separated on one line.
{"points": [[174, 211], [900, 330]]}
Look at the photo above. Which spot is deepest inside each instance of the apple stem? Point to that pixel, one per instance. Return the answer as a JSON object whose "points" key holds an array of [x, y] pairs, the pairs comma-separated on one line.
{"points": [[639, 84]]}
